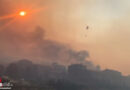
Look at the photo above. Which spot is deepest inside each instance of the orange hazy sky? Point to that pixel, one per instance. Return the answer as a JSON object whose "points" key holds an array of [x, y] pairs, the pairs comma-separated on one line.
{"points": [[107, 39]]}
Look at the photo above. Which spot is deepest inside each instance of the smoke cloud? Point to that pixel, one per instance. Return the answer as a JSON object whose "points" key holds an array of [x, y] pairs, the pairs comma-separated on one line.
{"points": [[20, 43]]}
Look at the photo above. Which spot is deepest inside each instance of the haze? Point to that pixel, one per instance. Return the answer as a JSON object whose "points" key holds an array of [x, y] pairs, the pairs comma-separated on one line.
{"points": [[65, 21]]}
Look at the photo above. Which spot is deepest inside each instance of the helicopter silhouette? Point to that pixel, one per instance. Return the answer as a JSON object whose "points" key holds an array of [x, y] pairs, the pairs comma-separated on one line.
{"points": [[87, 27]]}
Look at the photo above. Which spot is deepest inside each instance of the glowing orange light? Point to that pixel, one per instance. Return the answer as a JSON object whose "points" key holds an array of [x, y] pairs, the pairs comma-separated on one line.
{"points": [[22, 13]]}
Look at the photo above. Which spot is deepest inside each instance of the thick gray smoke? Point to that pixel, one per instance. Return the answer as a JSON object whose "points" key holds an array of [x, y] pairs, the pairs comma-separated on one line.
{"points": [[32, 45]]}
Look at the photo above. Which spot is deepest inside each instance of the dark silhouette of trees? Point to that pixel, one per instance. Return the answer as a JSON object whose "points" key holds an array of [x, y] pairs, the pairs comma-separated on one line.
{"points": [[29, 76]]}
